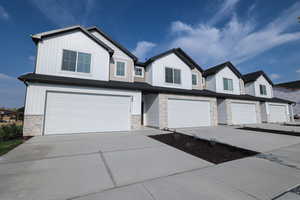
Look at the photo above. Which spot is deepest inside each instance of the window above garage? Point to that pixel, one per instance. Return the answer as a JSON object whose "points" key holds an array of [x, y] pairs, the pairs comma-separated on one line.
{"points": [[74, 61], [172, 75], [228, 84], [262, 89]]}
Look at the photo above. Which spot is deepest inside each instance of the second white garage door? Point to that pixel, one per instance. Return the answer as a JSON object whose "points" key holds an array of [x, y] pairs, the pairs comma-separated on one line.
{"points": [[277, 113], [188, 113], [243, 113], [84, 113]]}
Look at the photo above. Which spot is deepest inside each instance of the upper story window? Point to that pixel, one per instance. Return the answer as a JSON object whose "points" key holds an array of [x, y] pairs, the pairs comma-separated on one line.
{"points": [[262, 89], [172, 75], [76, 61], [120, 68], [139, 71], [194, 79], [227, 84]]}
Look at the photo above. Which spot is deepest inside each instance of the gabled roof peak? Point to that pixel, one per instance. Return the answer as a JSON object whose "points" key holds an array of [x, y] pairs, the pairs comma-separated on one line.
{"points": [[217, 68], [37, 37], [126, 51], [181, 54], [253, 76]]}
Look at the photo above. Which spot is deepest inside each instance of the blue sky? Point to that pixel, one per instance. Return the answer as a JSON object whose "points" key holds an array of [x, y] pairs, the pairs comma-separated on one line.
{"points": [[253, 34]]}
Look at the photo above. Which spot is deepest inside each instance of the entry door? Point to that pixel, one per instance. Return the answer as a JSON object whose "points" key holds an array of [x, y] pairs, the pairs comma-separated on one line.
{"points": [[243, 113], [83, 113], [188, 113]]}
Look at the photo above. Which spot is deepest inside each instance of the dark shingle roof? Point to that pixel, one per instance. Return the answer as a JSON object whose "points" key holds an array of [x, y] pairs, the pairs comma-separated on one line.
{"points": [[290, 85], [126, 51], [144, 87], [181, 54], [40, 36], [217, 68], [251, 77]]}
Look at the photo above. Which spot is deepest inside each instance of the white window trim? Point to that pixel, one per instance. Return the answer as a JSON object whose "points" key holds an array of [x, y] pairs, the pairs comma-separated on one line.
{"points": [[260, 91], [125, 69], [224, 85], [173, 76], [75, 72], [143, 72], [194, 73]]}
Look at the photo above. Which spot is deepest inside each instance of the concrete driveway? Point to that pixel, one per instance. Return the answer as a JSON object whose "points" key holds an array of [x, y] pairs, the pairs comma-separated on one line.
{"points": [[67, 166], [129, 165]]}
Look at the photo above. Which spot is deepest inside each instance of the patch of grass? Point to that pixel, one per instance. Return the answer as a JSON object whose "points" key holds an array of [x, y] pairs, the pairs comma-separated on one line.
{"points": [[6, 146]]}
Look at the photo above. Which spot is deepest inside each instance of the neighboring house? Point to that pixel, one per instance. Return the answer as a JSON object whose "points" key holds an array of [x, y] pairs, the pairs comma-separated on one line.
{"points": [[225, 78], [290, 91], [259, 84], [85, 82]]}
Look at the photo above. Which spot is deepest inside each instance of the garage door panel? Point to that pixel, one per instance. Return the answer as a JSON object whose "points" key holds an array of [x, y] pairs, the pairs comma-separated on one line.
{"points": [[188, 113], [277, 113], [243, 113], [81, 113]]}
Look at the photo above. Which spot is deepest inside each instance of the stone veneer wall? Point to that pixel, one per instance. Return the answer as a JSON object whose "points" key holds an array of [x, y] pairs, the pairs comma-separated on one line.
{"points": [[33, 125], [129, 70], [163, 108], [136, 122], [229, 113]]}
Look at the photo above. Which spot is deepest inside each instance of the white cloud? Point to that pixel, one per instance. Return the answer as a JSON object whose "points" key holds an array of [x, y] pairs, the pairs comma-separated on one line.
{"points": [[143, 48], [298, 70], [3, 13], [275, 76], [31, 58], [5, 77], [236, 41], [224, 11], [65, 13]]}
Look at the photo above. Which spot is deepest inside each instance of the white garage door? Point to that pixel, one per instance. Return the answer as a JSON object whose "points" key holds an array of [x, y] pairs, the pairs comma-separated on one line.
{"points": [[188, 113], [277, 113], [243, 113], [84, 113]]}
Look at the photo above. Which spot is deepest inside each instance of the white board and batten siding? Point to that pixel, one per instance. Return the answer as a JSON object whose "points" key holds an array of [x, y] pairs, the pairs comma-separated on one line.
{"points": [[188, 113], [71, 109], [156, 72], [243, 113], [118, 53], [50, 51], [227, 73]]}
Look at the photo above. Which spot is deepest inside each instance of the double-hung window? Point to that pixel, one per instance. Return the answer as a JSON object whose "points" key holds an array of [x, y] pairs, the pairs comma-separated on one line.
{"points": [[120, 68], [139, 71], [262, 89], [194, 79], [74, 61], [227, 84], [172, 75]]}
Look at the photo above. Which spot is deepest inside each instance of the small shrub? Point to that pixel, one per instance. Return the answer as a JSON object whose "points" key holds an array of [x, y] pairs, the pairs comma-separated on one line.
{"points": [[10, 132]]}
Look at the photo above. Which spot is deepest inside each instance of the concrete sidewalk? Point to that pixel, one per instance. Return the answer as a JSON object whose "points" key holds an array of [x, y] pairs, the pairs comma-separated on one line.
{"points": [[256, 141]]}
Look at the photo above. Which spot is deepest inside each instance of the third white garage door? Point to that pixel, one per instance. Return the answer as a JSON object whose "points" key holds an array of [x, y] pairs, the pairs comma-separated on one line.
{"points": [[243, 113], [188, 113], [277, 113], [84, 113]]}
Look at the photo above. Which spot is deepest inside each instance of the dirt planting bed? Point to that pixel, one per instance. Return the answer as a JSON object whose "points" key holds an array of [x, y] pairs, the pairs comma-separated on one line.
{"points": [[211, 151]]}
